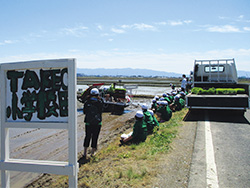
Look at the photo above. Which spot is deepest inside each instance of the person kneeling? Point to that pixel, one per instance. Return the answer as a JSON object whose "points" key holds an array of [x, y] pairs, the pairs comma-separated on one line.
{"points": [[139, 133]]}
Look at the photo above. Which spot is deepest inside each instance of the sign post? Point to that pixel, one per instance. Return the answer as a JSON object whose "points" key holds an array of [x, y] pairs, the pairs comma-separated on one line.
{"points": [[38, 94]]}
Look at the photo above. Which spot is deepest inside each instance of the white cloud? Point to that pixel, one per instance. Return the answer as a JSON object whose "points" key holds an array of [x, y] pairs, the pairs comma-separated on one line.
{"points": [[187, 21], [8, 42], [241, 17], [100, 27], [141, 26], [179, 22], [126, 26], [116, 58], [175, 23], [120, 31], [223, 29], [161, 23], [246, 28], [78, 31], [223, 17]]}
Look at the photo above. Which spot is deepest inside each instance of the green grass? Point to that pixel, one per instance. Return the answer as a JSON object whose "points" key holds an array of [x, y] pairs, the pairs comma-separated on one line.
{"points": [[217, 91], [129, 165]]}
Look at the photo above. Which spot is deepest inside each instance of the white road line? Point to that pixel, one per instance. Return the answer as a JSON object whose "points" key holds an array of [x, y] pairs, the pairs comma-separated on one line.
{"points": [[212, 178]]}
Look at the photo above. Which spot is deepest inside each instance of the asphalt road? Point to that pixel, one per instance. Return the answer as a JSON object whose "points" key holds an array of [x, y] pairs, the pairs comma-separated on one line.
{"points": [[221, 156]]}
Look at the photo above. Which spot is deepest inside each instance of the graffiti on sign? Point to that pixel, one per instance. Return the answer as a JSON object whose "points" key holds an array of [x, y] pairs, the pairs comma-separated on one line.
{"points": [[37, 94]]}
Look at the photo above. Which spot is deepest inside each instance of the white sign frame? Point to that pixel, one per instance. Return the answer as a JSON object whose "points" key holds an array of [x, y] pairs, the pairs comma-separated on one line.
{"points": [[70, 167]]}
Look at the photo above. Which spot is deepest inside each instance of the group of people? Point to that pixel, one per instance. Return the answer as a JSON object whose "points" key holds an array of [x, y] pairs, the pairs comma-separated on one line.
{"points": [[160, 111], [147, 119]]}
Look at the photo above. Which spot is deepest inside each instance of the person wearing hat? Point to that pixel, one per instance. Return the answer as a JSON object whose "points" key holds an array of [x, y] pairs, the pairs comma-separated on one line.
{"points": [[155, 121], [166, 97], [182, 101], [172, 86], [177, 105], [183, 82], [154, 105], [93, 120], [148, 119], [183, 95], [139, 133], [164, 112]]}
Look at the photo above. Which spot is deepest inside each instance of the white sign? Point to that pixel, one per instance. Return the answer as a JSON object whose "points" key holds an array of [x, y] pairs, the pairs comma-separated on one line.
{"points": [[38, 94]]}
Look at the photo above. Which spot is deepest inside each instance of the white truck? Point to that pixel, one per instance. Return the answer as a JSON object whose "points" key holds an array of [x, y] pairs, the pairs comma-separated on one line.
{"points": [[215, 76]]}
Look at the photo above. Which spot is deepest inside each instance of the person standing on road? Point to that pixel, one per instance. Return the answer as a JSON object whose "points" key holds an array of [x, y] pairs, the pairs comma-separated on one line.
{"points": [[183, 82], [93, 120]]}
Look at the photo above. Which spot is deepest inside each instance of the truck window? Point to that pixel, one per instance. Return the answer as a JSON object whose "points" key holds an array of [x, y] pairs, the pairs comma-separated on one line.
{"points": [[214, 68]]}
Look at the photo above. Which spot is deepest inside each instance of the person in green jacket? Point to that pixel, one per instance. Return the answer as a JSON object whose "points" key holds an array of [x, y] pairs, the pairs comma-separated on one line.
{"points": [[155, 121], [154, 105], [164, 112], [139, 133], [166, 97], [183, 95], [148, 119], [178, 103], [182, 102], [171, 97]]}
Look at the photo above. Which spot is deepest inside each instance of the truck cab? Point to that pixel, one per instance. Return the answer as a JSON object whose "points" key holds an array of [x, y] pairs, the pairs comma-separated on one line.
{"points": [[215, 71], [217, 74]]}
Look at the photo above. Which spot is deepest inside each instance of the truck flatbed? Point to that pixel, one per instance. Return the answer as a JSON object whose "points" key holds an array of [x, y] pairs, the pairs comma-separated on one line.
{"points": [[231, 102]]}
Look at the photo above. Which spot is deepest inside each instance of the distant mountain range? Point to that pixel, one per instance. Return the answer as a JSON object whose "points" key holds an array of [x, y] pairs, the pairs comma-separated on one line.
{"points": [[137, 72], [244, 74], [126, 72]]}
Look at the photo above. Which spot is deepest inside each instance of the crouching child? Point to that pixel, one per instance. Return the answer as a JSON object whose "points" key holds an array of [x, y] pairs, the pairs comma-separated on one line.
{"points": [[139, 133]]}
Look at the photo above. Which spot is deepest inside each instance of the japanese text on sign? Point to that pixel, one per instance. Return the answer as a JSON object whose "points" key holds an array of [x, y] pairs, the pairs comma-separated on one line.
{"points": [[37, 94]]}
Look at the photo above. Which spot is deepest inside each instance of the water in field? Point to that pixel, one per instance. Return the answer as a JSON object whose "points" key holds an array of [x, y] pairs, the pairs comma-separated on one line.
{"points": [[141, 90]]}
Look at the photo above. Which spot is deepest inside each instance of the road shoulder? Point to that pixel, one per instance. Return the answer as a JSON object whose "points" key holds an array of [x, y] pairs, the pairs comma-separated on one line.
{"points": [[175, 167]]}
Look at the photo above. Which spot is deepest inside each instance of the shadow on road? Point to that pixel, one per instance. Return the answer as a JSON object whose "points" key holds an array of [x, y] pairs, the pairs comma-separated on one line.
{"points": [[216, 115]]}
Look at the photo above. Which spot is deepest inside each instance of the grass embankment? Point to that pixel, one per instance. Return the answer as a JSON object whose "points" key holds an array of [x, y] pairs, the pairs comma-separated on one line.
{"points": [[128, 166]]}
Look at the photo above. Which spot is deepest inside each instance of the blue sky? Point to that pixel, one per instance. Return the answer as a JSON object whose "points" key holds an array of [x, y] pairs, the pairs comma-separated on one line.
{"points": [[165, 35]]}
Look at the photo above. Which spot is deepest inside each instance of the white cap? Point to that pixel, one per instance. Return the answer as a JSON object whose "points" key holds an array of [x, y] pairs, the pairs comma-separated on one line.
{"points": [[94, 91], [139, 114], [151, 112], [176, 97], [156, 97], [182, 93], [162, 99], [144, 106], [153, 101], [164, 95], [164, 103]]}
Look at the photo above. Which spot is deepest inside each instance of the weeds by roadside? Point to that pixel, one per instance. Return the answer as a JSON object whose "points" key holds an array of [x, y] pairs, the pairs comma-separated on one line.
{"points": [[128, 166]]}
